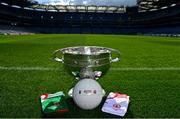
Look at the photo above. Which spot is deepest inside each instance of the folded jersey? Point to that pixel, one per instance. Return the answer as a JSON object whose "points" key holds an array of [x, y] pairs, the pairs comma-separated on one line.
{"points": [[53, 102], [116, 104]]}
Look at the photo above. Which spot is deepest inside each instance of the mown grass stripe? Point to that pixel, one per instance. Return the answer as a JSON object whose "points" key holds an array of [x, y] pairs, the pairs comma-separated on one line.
{"points": [[113, 69], [147, 69]]}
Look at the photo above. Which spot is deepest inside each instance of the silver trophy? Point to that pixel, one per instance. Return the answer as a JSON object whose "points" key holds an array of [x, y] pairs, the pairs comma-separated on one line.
{"points": [[87, 64]]}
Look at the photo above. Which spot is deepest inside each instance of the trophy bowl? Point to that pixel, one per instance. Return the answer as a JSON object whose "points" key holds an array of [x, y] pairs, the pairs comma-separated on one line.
{"points": [[84, 61]]}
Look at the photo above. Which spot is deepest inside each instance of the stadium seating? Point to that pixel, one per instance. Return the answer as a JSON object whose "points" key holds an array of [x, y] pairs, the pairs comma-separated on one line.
{"points": [[91, 22]]}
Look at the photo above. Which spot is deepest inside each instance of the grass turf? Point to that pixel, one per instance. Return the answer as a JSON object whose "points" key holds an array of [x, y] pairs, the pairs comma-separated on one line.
{"points": [[154, 93]]}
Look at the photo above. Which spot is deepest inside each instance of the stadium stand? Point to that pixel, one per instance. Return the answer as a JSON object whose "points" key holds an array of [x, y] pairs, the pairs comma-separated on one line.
{"points": [[89, 19], [11, 30]]}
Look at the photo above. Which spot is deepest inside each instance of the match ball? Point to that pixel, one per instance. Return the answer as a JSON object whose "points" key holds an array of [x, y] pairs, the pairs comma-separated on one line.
{"points": [[87, 94]]}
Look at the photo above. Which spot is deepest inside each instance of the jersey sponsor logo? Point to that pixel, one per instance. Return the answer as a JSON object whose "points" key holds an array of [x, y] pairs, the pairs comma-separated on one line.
{"points": [[116, 106]]}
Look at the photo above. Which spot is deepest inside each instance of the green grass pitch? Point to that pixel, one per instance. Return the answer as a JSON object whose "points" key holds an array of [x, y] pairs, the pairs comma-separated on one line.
{"points": [[154, 90]]}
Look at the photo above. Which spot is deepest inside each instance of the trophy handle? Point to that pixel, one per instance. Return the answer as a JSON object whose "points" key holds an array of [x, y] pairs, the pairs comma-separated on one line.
{"points": [[104, 93], [56, 58], [118, 55], [70, 92]]}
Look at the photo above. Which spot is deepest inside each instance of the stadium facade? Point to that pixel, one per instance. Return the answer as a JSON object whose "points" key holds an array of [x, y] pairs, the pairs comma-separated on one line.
{"points": [[39, 18]]}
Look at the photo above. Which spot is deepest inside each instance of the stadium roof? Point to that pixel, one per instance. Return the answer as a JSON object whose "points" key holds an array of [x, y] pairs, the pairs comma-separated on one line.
{"points": [[152, 5], [81, 8], [73, 8]]}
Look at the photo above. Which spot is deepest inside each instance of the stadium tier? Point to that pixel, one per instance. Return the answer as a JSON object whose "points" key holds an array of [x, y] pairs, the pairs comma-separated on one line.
{"points": [[89, 19]]}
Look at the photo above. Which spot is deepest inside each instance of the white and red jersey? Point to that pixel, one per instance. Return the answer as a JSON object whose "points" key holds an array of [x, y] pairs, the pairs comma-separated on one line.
{"points": [[116, 104]]}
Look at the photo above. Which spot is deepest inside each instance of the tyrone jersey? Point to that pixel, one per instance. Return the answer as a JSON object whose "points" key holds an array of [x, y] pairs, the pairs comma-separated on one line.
{"points": [[116, 104]]}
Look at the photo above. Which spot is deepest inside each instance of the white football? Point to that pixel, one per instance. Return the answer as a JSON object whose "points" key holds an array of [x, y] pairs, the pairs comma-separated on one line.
{"points": [[87, 94]]}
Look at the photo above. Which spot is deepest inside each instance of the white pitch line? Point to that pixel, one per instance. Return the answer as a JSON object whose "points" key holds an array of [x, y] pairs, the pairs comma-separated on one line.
{"points": [[29, 68], [113, 69], [147, 69]]}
